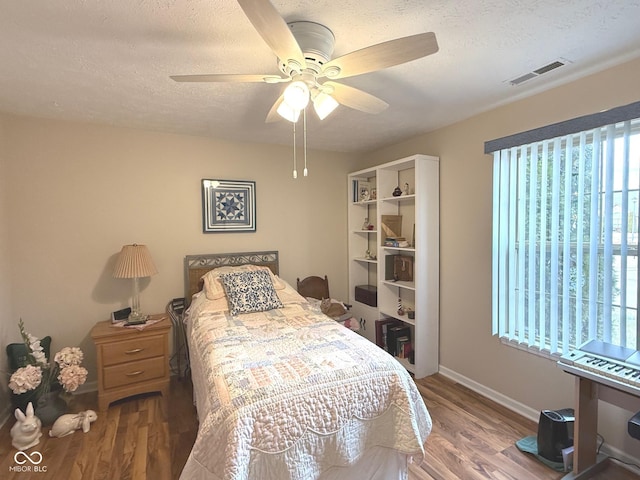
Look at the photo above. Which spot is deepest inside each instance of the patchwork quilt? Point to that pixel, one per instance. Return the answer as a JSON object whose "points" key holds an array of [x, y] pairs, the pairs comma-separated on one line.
{"points": [[288, 393]]}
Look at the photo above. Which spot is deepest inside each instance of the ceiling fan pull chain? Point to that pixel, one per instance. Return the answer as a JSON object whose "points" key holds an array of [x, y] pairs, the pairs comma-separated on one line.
{"points": [[295, 171], [304, 126]]}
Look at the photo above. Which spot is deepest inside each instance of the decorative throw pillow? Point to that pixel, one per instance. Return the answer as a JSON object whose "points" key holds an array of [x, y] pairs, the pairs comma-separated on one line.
{"points": [[249, 292]]}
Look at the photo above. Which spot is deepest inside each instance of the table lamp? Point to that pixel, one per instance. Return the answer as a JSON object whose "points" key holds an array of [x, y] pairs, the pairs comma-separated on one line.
{"points": [[134, 261]]}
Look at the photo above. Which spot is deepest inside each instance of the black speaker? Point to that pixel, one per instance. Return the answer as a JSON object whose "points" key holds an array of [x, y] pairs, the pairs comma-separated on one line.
{"points": [[555, 433], [633, 426]]}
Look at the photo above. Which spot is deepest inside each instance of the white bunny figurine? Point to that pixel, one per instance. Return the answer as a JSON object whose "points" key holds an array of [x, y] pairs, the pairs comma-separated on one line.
{"points": [[70, 422], [27, 431]]}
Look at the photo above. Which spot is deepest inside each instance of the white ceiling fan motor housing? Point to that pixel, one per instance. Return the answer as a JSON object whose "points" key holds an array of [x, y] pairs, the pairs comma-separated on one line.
{"points": [[316, 42]]}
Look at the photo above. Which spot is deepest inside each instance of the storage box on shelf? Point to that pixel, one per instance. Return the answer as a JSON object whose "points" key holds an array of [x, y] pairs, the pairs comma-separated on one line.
{"points": [[367, 294], [405, 244]]}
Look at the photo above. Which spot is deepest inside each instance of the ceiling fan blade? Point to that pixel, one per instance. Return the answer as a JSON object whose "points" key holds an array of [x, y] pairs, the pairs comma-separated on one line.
{"points": [[273, 30], [237, 78], [356, 99], [273, 115], [382, 55]]}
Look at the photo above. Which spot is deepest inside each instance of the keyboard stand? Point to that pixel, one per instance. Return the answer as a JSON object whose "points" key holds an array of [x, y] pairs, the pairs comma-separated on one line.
{"points": [[586, 462]]}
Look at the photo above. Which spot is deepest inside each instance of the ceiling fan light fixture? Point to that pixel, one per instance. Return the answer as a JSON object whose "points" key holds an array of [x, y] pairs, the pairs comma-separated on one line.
{"points": [[288, 113], [296, 95], [324, 104]]}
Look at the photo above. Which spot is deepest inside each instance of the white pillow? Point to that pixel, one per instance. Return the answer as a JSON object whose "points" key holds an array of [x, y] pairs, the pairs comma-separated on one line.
{"points": [[214, 289]]}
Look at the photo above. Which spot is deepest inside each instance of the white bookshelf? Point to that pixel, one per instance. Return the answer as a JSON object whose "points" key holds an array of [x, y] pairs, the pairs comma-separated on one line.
{"points": [[420, 208]]}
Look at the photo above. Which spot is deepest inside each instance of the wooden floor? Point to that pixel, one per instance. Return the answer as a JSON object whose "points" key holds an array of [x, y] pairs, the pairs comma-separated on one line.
{"points": [[143, 437], [474, 438], [148, 437]]}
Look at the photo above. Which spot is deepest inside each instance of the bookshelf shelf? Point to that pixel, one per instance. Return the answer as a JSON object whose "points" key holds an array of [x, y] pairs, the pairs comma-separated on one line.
{"points": [[365, 260], [400, 284]]}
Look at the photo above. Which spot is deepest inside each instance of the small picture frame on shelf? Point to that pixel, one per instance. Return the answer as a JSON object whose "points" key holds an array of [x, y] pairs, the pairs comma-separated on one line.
{"points": [[373, 194], [364, 193], [362, 190]]}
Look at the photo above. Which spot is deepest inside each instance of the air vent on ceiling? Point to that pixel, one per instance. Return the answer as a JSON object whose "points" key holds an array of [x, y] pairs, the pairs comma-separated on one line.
{"points": [[539, 71]]}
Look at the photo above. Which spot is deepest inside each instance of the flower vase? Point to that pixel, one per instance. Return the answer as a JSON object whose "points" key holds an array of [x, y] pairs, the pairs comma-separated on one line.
{"points": [[49, 407]]}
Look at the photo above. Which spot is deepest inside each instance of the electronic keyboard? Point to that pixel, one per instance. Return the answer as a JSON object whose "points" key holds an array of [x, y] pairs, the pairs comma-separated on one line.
{"points": [[612, 365]]}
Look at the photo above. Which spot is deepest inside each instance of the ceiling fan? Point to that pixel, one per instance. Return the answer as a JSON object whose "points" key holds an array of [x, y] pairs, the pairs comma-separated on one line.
{"points": [[304, 52]]}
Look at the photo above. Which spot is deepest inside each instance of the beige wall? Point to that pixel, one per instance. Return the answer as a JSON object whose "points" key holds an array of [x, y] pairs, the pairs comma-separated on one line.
{"points": [[5, 280], [75, 193], [466, 344]]}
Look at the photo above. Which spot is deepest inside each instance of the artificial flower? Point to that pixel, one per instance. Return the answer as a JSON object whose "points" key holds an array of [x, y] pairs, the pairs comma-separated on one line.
{"points": [[72, 376], [69, 356], [39, 375], [25, 379]]}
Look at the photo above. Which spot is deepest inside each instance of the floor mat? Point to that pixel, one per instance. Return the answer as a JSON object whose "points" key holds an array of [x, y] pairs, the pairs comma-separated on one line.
{"points": [[530, 445]]}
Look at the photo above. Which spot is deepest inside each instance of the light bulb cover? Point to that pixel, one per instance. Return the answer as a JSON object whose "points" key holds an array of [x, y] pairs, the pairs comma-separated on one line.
{"points": [[324, 104], [296, 95], [288, 113]]}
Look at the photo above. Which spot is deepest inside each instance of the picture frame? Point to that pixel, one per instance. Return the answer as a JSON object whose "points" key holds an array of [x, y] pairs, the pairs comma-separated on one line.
{"points": [[228, 206], [364, 191], [391, 226]]}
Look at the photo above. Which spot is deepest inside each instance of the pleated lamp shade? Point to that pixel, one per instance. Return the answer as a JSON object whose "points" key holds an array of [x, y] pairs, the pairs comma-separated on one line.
{"points": [[134, 261]]}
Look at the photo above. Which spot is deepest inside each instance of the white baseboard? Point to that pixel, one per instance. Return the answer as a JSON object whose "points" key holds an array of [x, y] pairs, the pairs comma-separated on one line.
{"points": [[523, 409], [497, 397]]}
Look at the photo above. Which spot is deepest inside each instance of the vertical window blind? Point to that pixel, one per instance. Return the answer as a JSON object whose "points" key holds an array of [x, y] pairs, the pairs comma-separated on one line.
{"points": [[565, 233]]}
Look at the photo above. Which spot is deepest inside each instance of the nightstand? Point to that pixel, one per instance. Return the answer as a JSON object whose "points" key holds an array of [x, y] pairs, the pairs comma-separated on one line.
{"points": [[131, 361]]}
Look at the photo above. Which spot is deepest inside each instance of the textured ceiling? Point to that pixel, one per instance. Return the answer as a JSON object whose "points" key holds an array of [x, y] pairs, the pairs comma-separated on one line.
{"points": [[109, 61]]}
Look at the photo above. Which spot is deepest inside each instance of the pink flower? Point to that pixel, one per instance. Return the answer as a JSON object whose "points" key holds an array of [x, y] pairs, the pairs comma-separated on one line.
{"points": [[72, 376], [69, 356], [25, 378]]}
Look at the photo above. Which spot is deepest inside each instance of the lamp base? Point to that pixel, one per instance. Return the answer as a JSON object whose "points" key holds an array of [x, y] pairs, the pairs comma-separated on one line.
{"points": [[136, 318]]}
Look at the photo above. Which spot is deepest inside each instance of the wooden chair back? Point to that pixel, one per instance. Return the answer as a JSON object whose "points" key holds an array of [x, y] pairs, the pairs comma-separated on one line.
{"points": [[314, 287]]}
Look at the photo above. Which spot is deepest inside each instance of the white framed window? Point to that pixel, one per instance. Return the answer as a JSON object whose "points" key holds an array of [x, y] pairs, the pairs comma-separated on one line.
{"points": [[565, 233]]}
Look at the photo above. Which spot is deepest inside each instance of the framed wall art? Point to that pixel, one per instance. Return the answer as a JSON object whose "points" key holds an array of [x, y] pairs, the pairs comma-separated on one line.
{"points": [[228, 206]]}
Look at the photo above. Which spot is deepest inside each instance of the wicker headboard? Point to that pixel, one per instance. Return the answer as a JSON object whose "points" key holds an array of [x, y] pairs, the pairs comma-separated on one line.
{"points": [[195, 266]]}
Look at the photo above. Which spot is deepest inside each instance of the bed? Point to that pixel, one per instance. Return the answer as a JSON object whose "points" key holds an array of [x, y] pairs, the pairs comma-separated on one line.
{"points": [[282, 391]]}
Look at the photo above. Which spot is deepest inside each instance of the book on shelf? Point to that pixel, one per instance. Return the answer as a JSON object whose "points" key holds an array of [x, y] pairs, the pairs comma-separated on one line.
{"points": [[403, 347], [395, 242], [408, 351], [382, 328], [394, 333]]}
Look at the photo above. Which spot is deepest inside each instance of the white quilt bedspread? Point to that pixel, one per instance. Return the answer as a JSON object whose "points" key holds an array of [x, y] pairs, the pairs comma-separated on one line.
{"points": [[288, 393]]}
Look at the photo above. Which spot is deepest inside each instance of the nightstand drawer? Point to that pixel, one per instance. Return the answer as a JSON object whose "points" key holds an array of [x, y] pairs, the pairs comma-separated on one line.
{"points": [[131, 350], [134, 372]]}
